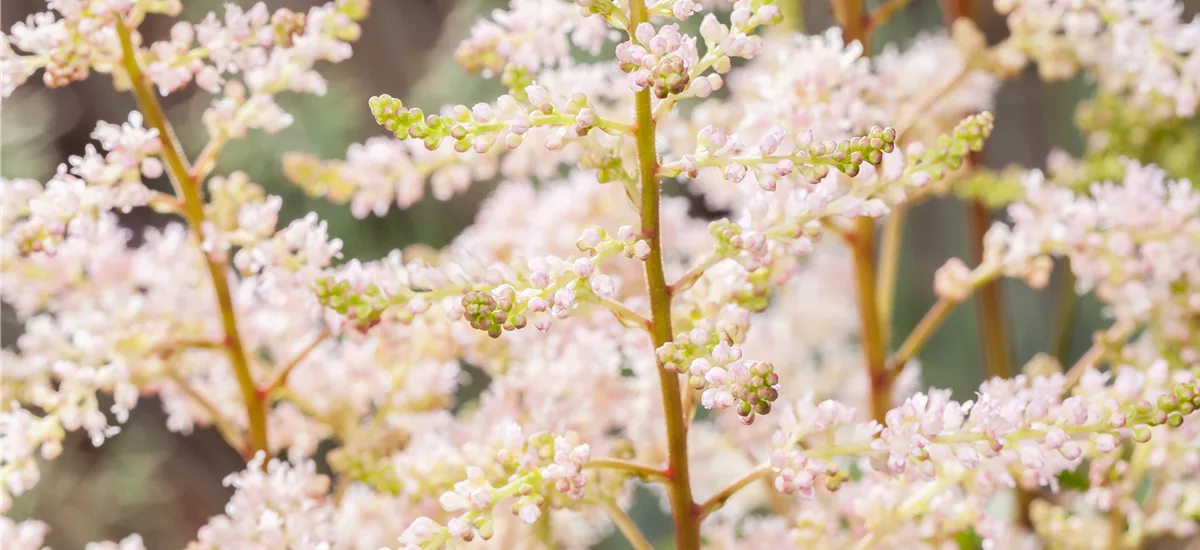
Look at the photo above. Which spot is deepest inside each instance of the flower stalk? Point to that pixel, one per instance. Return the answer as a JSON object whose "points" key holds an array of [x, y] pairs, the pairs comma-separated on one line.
{"points": [[854, 22], [187, 190], [687, 524]]}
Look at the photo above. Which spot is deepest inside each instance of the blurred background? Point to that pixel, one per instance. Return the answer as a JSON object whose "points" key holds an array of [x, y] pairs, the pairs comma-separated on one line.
{"points": [[165, 485]]}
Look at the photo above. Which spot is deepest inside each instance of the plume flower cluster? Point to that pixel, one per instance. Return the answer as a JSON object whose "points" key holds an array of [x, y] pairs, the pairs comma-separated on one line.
{"points": [[610, 327]]}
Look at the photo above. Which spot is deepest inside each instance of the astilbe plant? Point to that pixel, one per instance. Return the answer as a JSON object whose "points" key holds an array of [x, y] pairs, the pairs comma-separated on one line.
{"points": [[605, 316]]}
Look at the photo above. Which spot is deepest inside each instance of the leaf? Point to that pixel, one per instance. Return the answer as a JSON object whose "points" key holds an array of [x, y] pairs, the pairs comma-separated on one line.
{"points": [[968, 539]]}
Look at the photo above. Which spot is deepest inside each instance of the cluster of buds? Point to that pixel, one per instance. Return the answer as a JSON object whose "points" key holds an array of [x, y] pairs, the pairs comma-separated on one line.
{"points": [[90, 184], [536, 467], [481, 127], [767, 164], [515, 40], [1118, 238], [493, 312], [717, 369], [798, 472], [597, 242], [1025, 421], [551, 289], [660, 60], [362, 305]]}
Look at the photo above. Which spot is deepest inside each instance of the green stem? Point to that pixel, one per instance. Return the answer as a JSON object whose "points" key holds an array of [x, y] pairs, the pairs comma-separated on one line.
{"points": [[188, 191], [683, 508]]}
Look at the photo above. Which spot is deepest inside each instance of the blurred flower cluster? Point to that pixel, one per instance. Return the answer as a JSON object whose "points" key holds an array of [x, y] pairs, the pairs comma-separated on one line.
{"points": [[614, 327]]}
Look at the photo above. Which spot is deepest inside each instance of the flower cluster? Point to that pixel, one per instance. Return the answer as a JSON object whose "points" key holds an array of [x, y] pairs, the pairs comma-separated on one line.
{"points": [[416, 379], [1125, 46]]}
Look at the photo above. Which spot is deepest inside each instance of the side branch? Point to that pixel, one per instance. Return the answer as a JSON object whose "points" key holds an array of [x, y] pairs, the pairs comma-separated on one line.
{"points": [[280, 377], [626, 526], [932, 320], [718, 500], [641, 471]]}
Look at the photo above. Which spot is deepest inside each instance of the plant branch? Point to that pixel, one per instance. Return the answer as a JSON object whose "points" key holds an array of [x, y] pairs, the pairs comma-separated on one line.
{"points": [[718, 500], [889, 265], [626, 316], [625, 525], [850, 15], [187, 189], [688, 279], [933, 319], [227, 431], [862, 244], [993, 323], [880, 15], [687, 528], [641, 471], [1102, 342], [280, 377]]}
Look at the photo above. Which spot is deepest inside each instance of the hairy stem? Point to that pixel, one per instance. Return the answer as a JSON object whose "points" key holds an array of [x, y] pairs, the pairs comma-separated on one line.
{"points": [[187, 189], [687, 526]]}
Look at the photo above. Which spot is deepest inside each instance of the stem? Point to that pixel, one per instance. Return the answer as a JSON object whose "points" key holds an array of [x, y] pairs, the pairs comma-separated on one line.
{"points": [[862, 242], [933, 319], [793, 15], [280, 377], [882, 14], [687, 280], [920, 110], [643, 471], [626, 316], [1064, 319], [1102, 343], [188, 190], [687, 528], [223, 426], [923, 331], [718, 500], [625, 525], [889, 265], [993, 324]]}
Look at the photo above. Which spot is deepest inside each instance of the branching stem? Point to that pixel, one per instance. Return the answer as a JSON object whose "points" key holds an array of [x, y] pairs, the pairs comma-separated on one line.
{"points": [[687, 525], [187, 189]]}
